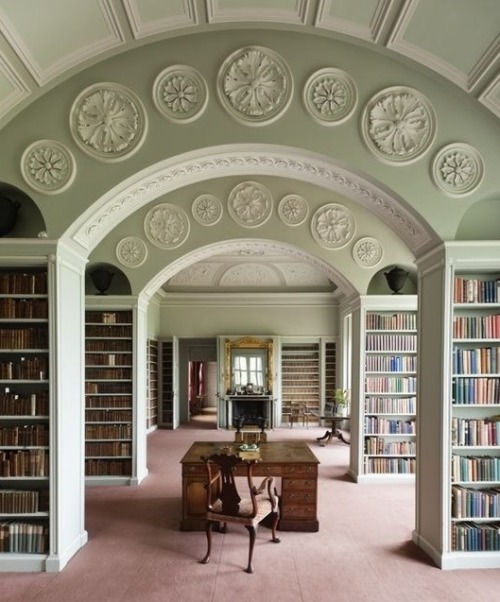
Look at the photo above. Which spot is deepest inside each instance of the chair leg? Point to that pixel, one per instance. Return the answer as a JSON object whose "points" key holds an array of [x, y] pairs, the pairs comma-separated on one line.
{"points": [[274, 526], [208, 531], [252, 532]]}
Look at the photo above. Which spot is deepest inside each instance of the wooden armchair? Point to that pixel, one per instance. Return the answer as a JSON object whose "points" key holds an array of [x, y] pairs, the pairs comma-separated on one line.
{"points": [[224, 504]]}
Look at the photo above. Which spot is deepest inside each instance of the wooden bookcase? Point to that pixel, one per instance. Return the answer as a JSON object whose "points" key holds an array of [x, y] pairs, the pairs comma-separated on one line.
{"points": [[152, 385], [109, 407], [24, 416], [168, 412]]}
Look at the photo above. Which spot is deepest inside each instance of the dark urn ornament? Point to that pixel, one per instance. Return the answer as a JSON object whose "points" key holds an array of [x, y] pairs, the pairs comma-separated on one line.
{"points": [[101, 278], [396, 279], [8, 214]]}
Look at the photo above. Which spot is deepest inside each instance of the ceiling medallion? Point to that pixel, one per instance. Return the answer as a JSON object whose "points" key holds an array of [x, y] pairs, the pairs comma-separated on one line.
{"points": [[48, 166], [255, 85], [131, 251], [166, 226], [108, 121], [367, 252], [398, 124], [333, 226], [330, 96], [207, 209], [250, 204], [457, 169], [180, 93], [293, 210]]}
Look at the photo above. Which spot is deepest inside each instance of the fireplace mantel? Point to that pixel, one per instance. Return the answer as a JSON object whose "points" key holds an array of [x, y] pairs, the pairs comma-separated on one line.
{"points": [[251, 406]]}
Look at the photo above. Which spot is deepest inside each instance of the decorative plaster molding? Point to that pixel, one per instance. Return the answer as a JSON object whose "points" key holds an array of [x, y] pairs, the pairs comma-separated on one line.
{"points": [[166, 226], [457, 169], [330, 96], [293, 210], [296, 14], [367, 252], [251, 274], [170, 22], [255, 85], [48, 166], [332, 226], [108, 121], [131, 251], [207, 209], [236, 160], [398, 124], [250, 204], [180, 93]]}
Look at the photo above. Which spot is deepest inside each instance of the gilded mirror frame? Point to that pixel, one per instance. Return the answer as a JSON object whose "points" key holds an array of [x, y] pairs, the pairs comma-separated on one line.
{"points": [[247, 343]]}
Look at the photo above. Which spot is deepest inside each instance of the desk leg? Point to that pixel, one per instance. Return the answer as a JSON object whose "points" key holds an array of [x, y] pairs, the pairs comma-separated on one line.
{"points": [[325, 439]]}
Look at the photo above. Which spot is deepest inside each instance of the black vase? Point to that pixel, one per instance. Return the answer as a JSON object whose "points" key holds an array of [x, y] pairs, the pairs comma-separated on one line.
{"points": [[101, 277], [8, 214], [396, 279]]}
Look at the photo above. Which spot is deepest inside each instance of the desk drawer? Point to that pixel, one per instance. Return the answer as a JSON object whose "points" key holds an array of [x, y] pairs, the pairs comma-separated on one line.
{"points": [[293, 471], [293, 498], [297, 484], [298, 511]]}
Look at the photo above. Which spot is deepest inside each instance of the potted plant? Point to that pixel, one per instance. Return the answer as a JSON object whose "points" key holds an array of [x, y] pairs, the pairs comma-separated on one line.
{"points": [[341, 400]]}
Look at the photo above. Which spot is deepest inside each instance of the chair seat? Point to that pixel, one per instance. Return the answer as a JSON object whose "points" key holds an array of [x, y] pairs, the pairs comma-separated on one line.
{"points": [[244, 516]]}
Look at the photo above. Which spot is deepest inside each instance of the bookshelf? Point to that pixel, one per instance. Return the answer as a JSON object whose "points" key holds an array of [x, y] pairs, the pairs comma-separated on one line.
{"points": [[168, 412], [388, 384], [152, 385], [109, 408], [24, 417]]}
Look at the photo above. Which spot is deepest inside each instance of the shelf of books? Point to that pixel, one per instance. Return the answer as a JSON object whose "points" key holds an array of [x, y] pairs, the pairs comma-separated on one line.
{"points": [[109, 411], [152, 385], [168, 412], [24, 417], [388, 412], [475, 415]]}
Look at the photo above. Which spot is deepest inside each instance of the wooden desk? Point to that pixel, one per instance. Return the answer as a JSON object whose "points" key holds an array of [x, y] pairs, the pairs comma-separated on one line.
{"points": [[293, 462]]}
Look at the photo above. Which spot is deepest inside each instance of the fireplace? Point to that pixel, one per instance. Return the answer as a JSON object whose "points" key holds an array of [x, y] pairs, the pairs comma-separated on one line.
{"points": [[249, 410]]}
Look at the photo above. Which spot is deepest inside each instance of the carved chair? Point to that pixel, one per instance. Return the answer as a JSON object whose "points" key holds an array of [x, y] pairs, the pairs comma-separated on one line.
{"points": [[225, 505]]}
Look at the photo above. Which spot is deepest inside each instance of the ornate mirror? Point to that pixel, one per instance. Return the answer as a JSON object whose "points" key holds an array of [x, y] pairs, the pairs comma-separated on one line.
{"points": [[248, 366]]}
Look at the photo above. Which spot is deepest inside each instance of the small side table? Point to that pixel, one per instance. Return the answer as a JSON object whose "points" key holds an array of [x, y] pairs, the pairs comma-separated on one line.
{"points": [[333, 431]]}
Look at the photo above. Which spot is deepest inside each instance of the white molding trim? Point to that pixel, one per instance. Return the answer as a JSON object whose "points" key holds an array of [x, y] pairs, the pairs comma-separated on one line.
{"points": [[248, 299], [140, 30], [260, 14]]}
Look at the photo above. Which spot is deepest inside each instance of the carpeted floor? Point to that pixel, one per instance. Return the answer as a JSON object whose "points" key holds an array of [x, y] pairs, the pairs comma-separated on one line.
{"points": [[136, 552]]}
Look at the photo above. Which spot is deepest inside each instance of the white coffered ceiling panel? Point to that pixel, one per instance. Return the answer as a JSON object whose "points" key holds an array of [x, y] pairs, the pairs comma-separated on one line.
{"points": [[285, 11], [148, 17]]}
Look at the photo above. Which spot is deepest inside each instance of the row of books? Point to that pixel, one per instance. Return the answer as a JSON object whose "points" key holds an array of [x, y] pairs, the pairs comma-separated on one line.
{"points": [[23, 501], [24, 463], [118, 372], [108, 402], [23, 538], [92, 388], [475, 537], [108, 448], [383, 426], [482, 360], [106, 467], [25, 435], [475, 431], [475, 290], [109, 317], [108, 331], [475, 468], [33, 337], [391, 384], [391, 342], [379, 446], [476, 391], [15, 404], [23, 283], [108, 345], [23, 309], [108, 415], [390, 465], [475, 503], [108, 431], [30, 368], [476, 327], [390, 405], [390, 363], [397, 321], [108, 359]]}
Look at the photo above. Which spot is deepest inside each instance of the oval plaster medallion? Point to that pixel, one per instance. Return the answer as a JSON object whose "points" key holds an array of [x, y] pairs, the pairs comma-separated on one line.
{"points": [[166, 226], [131, 251], [250, 204], [367, 252], [457, 169], [207, 209], [293, 209], [332, 226], [398, 124], [48, 166], [108, 121], [180, 93], [330, 96], [255, 85]]}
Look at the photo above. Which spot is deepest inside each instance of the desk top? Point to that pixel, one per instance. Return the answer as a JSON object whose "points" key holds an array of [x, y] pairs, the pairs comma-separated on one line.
{"points": [[272, 452]]}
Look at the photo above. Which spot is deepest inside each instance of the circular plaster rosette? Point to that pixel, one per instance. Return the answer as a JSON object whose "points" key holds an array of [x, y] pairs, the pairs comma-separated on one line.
{"points": [[332, 226], [330, 96], [255, 85], [250, 204], [166, 226], [293, 210], [180, 93], [131, 252], [207, 209], [108, 122], [398, 124], [367, 252], [48, 166], [457, 169]]}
